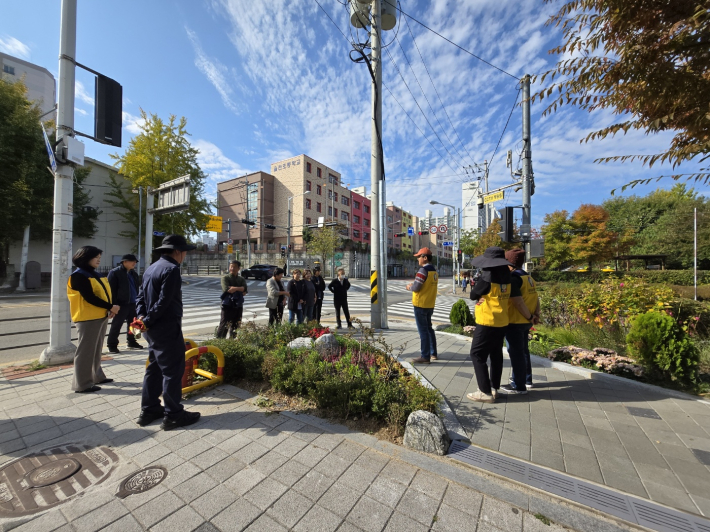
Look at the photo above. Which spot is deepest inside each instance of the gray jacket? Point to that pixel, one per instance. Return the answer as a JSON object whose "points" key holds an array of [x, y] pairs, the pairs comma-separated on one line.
{"points": [[310, 294], [272, 293]]}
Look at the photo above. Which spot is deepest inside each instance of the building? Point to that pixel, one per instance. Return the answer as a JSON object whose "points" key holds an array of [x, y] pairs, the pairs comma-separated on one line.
{"points": [[41, 87], [361, 219], [399, 221], [436, 240], [470, 213]]}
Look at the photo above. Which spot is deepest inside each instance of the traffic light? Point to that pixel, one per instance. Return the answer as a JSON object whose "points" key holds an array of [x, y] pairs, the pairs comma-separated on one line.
{"points": [[108, 107], [269, 226], [248, 222], [289, 248], [400, 235], [460, 254], [506, 224], [421, 233], [283, 253]]}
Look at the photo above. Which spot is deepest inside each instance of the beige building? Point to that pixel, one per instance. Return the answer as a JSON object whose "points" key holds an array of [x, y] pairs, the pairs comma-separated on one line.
{"points": [[41, 87]]}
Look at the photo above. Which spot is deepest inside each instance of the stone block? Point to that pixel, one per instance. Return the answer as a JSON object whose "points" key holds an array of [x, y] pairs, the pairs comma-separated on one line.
{"points": [[426, 432]]}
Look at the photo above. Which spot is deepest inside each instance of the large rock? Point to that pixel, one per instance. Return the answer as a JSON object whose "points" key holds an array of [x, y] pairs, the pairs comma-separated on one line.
{"points": [[426, 432], [299, 343], [327, 344]]}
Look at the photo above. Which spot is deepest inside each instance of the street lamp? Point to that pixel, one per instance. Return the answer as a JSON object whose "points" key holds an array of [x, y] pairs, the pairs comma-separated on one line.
{"points": [[457, 241], [288, 228]]}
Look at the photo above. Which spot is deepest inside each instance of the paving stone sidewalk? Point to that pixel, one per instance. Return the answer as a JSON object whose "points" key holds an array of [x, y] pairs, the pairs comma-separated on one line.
{"points": [[242, 468], [639, 440]]}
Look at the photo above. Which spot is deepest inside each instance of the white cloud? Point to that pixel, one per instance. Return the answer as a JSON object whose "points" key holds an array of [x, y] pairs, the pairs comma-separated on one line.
{"points": [[14, 47], [81, 94], [213, 162], [80, 111], [132, 123]]}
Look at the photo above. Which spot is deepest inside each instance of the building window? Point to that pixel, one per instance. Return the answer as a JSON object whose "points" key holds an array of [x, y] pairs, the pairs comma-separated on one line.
{"points": [[308, 185], [356, 205], [8, 70], [319, 208], [330, 211], [308, 167], [332, 179], [367, 222], [356, 233], [366, 209], [336, 212], [318, 190], [308, 204], [330, 194], [366, 236], [389, 241], [308, 221], [356, 219], [389, 218], [344, 200], [318, 172], [344, 216]]}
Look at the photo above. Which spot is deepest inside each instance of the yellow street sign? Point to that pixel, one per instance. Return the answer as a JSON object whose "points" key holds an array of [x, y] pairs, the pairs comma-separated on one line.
{"points": [[230, 248], [214, 223], [496, 196]]}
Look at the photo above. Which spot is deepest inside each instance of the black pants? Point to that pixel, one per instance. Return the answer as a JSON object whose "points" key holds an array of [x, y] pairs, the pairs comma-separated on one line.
{"points": [[516, 334], [276, 314], [344, 305], [487, 342], [231, 319], [166, 366], [127, 313], [317, 310]]}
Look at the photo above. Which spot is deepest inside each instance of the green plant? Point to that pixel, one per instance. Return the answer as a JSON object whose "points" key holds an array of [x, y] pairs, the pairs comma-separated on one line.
{"points": [[659, 343], [35, 365], [545, 520], [460, 314], [671, 277]]}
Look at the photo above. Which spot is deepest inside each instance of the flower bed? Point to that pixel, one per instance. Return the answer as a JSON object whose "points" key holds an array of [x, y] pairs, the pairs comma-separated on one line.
{"points": [[600, 359]]}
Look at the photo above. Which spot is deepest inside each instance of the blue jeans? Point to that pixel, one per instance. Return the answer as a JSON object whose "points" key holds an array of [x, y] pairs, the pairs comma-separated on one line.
{"points": [[298, 314], [523, 330], [426, 332]]}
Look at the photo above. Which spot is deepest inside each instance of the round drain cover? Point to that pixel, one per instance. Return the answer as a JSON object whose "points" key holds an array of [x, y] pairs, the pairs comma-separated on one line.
{"points": [[142, 480], [52, 472]]}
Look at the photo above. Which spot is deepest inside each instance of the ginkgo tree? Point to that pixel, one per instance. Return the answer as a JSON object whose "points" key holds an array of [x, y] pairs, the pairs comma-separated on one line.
{"points": [[646, 61]]}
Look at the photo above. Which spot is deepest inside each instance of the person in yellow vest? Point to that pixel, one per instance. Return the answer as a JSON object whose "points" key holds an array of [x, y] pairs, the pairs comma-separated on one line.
{"points": [[91, 306], [492, 292], [424, 290], [522, 312]]}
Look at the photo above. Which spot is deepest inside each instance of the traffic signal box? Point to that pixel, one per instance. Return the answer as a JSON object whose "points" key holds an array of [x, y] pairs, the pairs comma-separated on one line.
{"points": [[506, 224]]}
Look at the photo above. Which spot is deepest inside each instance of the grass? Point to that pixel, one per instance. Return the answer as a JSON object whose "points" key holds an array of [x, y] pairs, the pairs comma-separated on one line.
{"points": [[35, 366], [543, 519]]}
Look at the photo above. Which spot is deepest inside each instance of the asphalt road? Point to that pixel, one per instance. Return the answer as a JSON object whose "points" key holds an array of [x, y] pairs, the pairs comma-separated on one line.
{"points": [[24, 318]]}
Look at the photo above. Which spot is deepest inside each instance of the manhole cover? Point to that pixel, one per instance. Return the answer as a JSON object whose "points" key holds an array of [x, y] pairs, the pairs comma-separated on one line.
{"points": [[41, 480], [142, 481]]}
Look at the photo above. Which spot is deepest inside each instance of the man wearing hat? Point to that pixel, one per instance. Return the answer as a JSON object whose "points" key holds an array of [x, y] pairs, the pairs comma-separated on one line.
{"points": [[424, 289], [124, 283], [159, 308]]}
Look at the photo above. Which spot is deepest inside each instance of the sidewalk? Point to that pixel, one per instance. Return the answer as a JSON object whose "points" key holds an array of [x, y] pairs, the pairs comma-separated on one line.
{"points": [[639, 439], [238, 468]]}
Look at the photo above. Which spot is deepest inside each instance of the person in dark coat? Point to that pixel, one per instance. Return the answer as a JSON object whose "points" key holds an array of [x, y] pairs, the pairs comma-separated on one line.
{"points": [[319, 283], [310, 295], [159, 309], [340, 286], [297, 297], [124, 283]]}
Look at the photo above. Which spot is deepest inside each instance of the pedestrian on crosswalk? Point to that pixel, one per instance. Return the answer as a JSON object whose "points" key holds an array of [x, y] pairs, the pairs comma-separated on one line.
{"points": [[340, 286], [275, 297], [296, 297], [234, 288], [424, 290], [319, 283], [310, 295]]}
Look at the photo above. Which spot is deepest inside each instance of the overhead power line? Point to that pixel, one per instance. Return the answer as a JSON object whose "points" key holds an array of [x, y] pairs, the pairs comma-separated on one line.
{"points": [[506, 124]]}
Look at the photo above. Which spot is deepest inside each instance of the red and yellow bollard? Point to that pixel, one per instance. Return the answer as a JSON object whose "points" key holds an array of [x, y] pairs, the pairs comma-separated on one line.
{"points": [[192, 360]]}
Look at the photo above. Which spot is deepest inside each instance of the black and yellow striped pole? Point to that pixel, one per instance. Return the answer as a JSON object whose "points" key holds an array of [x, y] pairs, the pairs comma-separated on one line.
{"points": [[373, 288]]}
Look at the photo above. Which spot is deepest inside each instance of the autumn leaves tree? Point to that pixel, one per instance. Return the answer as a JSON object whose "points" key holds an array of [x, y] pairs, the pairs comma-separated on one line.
{"points": [[326, 240]]}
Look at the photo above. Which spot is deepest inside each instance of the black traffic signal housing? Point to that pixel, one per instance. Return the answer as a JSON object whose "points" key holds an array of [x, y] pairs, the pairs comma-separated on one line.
{"points": [[289, 248], [400, 235], [108, 111], [283, 253], [421, 233], [506, 224], [459, 253], [269, 226], [248, 222]]}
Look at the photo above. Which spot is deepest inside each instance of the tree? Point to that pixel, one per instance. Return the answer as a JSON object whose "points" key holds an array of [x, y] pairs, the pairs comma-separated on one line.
{"points": [[558, 231], [161, 153], [307, 235], [645, 60], [326, 240], [593, 241]]}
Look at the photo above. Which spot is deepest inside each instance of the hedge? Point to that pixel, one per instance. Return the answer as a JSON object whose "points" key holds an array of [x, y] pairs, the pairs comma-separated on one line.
{"points": [[675, 277]]}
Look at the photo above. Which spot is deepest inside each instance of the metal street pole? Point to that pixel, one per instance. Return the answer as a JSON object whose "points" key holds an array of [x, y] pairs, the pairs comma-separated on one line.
{"points": [[383, 256], [149, 204], [60, 349], [288, 236], [527, 163], [140, 225], [23, 259], [229, 237], [376, 168], [248, 227], [695, 253]]}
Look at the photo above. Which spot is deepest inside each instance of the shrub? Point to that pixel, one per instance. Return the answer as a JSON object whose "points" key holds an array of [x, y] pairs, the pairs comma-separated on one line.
{"points": [[460, 314], [677, 277], [659, 343], [241, 360]]}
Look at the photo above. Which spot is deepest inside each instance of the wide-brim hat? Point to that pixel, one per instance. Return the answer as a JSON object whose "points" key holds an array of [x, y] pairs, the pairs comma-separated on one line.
{"points": [[175, 242], [492, 257]]}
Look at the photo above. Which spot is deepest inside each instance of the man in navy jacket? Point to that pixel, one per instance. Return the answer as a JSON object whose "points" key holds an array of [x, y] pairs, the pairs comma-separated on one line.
{"points": [[124, 283]]}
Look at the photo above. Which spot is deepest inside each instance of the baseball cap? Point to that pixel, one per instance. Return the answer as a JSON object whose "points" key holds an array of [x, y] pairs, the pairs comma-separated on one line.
{"points": [[129, 257], [423, 251]]}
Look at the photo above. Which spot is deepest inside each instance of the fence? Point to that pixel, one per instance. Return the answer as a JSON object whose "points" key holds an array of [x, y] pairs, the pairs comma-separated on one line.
{"points": [[202, 270]]}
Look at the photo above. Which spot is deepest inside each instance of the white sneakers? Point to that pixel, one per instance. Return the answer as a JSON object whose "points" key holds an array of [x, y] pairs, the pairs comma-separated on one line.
{"points": [[481, 397]]}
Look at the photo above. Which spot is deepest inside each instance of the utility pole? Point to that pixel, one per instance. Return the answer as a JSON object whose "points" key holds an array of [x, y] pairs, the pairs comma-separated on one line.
{"points": [[695, 253], [61, 349], [383, 254], [229, 235], [376, 271], [527, 167], [149, 204], [288, 237], [248, 226], [140, 225]]}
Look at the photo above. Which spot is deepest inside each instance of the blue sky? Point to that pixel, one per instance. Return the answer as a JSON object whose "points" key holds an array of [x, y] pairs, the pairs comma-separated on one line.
{"points": [[262, 80]]}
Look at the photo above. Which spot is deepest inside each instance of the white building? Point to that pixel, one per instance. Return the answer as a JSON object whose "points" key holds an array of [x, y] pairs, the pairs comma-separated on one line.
{"points": [[469, 206], [40, 83]]}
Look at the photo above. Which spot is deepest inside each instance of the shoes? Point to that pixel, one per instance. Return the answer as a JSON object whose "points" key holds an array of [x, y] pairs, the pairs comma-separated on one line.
{"points": [[494, 393], [509, 390], [421, 360], [481, 397], [350, 326], [113, 349], [106, 381], [134, 345], [147, 417], [185, 420], [89, 390], [434, 357], [528, 385], [338, 326]]}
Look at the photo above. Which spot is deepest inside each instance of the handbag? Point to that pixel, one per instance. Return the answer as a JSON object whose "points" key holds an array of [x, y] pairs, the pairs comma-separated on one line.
{"points": [[234, 300]]}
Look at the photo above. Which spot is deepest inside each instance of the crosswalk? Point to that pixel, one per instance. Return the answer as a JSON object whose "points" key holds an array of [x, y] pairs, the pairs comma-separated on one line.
{"points": [[202, 306]]}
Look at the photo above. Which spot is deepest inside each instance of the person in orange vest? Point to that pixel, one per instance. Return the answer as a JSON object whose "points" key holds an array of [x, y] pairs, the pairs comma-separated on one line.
{"points": [[492, 293], [523, 312]]}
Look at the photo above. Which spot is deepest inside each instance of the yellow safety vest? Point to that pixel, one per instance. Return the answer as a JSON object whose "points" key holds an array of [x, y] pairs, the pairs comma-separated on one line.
{"points": [[529, 293], [426, 297], [492, 309], [80, 309]]}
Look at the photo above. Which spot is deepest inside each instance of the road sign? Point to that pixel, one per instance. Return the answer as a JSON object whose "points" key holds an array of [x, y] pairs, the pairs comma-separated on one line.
{"points": [[158, 233], [447, 244], [173, 196], [433, 229], [214, 223], [410, 231], [496, 196], [230, 248], [230, 241], [295, 262], [443, 229], [50, 152]]}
